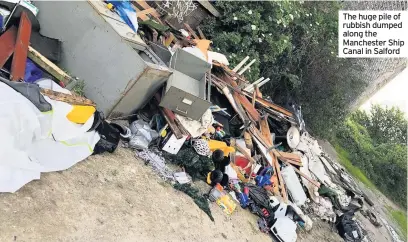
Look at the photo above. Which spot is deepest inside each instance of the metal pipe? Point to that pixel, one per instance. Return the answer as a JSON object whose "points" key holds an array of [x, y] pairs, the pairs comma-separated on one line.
{"points": [[240, 64]]}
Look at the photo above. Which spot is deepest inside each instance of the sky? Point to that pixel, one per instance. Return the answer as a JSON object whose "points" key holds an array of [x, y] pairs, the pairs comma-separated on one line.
{"points": [[395, 93]]}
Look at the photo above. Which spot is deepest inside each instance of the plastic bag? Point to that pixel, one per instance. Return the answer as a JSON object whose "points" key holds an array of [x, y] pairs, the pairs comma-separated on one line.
{"points": [[142, 135], [127, 13], [32, 72], [110, 137]]}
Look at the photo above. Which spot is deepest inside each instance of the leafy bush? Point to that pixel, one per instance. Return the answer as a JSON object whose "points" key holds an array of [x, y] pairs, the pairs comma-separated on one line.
{"points": [[374, 144]]}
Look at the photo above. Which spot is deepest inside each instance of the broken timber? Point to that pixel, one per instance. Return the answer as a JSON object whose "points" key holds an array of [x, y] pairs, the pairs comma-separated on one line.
{"points": [[170, 118], [48, 66], [18, 63], [71, 99], [7, 43]]}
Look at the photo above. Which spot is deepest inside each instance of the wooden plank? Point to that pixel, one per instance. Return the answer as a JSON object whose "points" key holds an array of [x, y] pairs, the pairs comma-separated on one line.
{"points": [[291, 161], [281, 184], [71, 99], [248, 140], [266, 133], [7, 43], [145, 5], [200, 32], [18, 64], [264, 126], [233, 154], [142, 16], [258, 92], [275, 164], [265, 103], [291, 156], [261, 101], [253, 113], [239, 106], [191, 31], [169, 39], [235, 106], [317, 184], [170, 118], [253, 98], [145, 12], [48, 66], [275, 185], [210, 8]]}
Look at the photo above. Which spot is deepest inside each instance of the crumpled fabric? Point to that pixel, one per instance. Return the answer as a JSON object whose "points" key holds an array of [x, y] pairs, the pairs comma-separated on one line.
{"points": [[157, 162], [31, 92], [197, 128], [32, 72]]}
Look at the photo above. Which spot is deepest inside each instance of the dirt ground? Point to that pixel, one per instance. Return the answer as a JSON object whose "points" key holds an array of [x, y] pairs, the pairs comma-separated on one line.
{"points": [[115, 197]]}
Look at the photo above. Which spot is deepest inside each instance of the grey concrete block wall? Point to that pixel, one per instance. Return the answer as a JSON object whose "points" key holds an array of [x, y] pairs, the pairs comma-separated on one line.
{"points": [[377, 72]]}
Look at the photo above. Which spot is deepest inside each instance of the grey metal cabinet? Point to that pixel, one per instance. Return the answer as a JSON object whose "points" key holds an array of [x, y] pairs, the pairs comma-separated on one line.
{"points": [[185, 95], [103, 51]]}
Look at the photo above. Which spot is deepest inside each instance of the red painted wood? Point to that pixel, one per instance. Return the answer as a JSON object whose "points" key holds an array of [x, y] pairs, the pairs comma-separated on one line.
{"points": [[21, 49], [7, 43]]}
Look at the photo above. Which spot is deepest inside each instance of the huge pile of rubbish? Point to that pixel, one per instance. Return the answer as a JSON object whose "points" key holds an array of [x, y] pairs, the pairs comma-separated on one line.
{"points": [[207, 119]]}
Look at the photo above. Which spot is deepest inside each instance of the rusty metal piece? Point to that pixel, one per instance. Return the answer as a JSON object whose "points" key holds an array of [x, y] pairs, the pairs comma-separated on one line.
{"points": [[21, 48], [7, 43]]}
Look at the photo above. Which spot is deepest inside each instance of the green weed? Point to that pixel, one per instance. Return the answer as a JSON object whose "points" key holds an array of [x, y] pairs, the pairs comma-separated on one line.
{"points": [[355, 171], [400, 217]]}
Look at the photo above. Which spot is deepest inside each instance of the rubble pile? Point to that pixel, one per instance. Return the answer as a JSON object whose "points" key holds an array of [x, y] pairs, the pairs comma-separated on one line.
{"points": [[206, 119]]}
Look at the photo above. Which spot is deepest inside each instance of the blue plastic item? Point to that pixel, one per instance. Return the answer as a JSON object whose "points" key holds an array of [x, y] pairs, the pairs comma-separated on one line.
{"points": [[126, 12], [32, 72], [243, 199], [263, 180]]}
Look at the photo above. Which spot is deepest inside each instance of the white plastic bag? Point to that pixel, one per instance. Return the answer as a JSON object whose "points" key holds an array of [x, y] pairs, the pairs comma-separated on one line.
{"points": [[142, 135]]}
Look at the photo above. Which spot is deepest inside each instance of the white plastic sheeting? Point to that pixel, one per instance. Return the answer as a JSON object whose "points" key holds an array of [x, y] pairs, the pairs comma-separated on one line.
{"points": [[32, 142], [293, 184]]}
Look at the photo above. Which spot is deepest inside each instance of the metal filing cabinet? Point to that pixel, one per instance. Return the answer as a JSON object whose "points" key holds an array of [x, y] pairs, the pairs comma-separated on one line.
{"points": [[185, 96], [189, 64]]}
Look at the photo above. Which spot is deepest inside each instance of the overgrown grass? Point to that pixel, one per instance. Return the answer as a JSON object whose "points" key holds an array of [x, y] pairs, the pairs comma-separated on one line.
{"points": [[401, 218], [78, 88], [355, 171]]}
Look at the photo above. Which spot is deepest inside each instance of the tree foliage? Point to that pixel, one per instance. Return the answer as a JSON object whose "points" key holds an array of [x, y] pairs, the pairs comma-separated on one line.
{"points": [[376, 143], [385, 125], [295, 45]]}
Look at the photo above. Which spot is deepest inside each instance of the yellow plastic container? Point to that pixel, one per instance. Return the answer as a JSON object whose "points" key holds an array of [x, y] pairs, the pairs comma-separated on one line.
{"points": [[80, 114]]}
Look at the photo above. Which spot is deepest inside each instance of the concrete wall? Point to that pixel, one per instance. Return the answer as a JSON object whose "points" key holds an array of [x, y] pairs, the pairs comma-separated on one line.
{"points": [[377, 72]]}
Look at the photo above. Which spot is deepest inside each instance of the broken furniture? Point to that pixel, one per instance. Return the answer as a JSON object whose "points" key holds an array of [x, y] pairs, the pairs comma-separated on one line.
{"points": [[121, 74], [185, 96], [190, 64]]}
